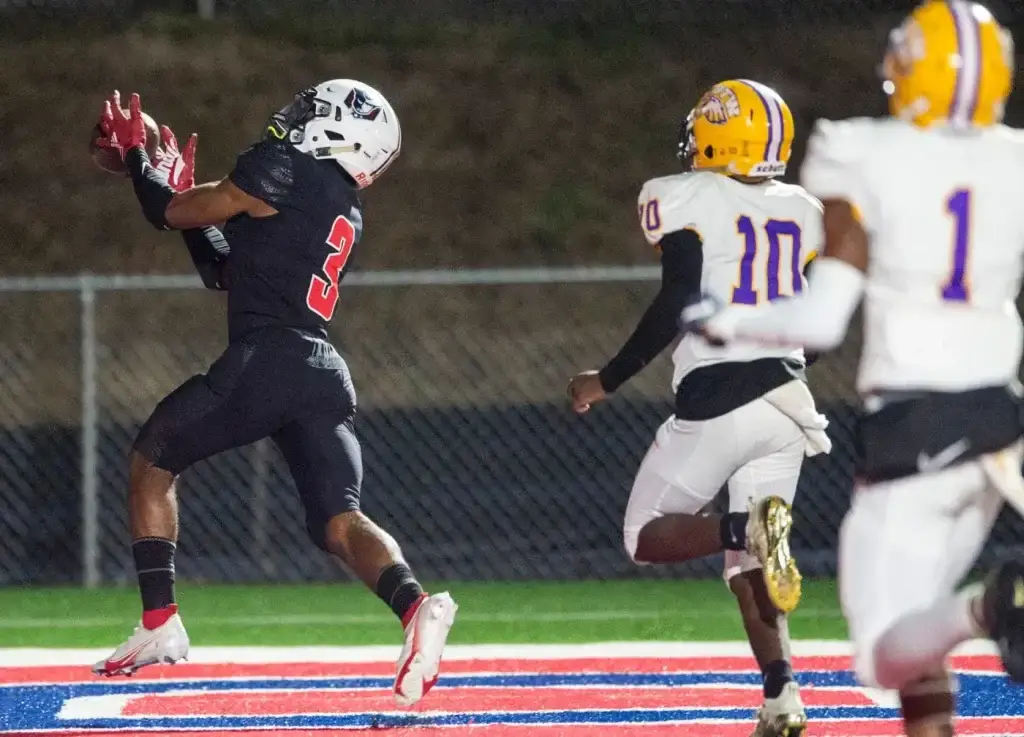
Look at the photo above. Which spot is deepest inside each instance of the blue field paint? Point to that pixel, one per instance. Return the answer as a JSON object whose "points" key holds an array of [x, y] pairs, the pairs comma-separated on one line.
{"points": [[25, 708]]}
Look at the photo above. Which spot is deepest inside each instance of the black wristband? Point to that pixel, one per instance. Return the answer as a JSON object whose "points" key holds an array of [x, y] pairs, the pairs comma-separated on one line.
{"points": [[151, 188]]}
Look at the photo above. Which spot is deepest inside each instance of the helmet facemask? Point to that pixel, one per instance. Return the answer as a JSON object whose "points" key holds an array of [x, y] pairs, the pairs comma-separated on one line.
{"points": [[289, 123], [687, 145]]}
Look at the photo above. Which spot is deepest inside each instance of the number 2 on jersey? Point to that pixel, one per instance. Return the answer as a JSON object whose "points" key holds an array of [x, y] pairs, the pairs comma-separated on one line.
{"points": [[959, 206], [322, 296], [744, 293]]}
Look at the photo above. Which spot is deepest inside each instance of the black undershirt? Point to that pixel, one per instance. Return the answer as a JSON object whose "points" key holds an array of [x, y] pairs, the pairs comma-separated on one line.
{"points": [[706, 392]]}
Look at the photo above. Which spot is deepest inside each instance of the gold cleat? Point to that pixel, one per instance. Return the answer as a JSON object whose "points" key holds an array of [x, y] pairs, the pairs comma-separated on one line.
{"points": [[771, 520]]}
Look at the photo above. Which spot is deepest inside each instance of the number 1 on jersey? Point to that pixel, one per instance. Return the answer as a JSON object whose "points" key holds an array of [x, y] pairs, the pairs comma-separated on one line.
{"points": [[959, 206], [322, 296]]}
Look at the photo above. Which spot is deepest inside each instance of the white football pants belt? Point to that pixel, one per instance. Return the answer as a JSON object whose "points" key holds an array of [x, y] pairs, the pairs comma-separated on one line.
{"points": [[795, 401]]}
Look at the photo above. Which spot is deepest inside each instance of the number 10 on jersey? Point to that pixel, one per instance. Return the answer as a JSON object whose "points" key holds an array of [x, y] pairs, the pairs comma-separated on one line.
{"points": [[744, 292]]}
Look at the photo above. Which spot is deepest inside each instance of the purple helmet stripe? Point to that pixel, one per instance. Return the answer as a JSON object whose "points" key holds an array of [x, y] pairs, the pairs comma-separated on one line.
{"points": [[968, 73], [776, 122]]}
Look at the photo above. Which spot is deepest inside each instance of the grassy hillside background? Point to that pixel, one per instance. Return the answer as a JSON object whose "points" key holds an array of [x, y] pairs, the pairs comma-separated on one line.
{"points": [[523, 145]]}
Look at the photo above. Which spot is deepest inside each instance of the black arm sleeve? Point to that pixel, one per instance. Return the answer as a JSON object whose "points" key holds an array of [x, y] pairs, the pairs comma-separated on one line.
{"points": [[151, 187], [209, 251], [682, 261]]}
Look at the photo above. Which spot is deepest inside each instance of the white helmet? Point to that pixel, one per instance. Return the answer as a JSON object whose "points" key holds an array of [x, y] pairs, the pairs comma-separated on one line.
{"points": [[344, 120]]}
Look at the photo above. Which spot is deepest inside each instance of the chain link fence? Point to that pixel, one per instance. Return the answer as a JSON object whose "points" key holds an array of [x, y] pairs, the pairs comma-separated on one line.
{"points": [[473, 459]]}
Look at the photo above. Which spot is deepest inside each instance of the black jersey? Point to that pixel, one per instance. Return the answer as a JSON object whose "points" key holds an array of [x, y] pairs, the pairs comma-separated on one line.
{"points": [[284, 270]]}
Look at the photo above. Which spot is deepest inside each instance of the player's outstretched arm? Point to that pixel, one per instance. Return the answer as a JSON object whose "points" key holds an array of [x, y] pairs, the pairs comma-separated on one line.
{"points": [[681, 266], [164, 190], [212, 204], [817, 319], [682, 262]]}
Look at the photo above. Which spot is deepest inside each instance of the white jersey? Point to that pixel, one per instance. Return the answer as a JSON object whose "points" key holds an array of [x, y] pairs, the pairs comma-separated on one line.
{"points": [[757, 239], [945, 215]]}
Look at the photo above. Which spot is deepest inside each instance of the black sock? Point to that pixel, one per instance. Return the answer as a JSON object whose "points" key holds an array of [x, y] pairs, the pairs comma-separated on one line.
{"points": [[154, 563], [733, 529], [776, 675], [399, 589]]}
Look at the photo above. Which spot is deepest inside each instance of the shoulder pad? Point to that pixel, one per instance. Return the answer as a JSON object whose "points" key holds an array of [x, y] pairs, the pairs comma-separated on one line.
{"points": [[836, 150], [665, 204], [795, 190], [1014, 136], [266, 171], [844, 140], [807, 197]]}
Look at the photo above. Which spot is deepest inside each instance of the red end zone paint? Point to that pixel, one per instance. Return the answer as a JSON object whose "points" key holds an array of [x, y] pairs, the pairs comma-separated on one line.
{"points": [[70, 674], [475, 699], [864, 728]]}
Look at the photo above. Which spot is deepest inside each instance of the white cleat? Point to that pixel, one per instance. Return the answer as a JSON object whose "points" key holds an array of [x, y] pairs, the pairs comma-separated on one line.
{"points": [[168, 644], [425, 636], [784, 716]]}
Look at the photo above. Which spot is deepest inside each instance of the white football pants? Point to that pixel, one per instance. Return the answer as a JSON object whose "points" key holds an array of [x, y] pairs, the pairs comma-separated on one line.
{"points": [[905, 545], [756, 449]]}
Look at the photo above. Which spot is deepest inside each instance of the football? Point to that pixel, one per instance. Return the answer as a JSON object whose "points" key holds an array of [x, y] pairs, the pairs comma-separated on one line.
{"points": [[108, 159]]}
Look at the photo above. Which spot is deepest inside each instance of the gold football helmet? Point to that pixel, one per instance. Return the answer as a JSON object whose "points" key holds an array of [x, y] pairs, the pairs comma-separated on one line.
{"points": [[950, 61], [740, 128]]}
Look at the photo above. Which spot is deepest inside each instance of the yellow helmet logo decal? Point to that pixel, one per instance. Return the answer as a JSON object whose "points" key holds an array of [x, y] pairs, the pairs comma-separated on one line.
{"points": [[718, 105]]}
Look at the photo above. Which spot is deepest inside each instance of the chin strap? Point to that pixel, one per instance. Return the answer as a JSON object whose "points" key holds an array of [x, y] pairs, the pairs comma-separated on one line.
{"points": [[326, 151]]}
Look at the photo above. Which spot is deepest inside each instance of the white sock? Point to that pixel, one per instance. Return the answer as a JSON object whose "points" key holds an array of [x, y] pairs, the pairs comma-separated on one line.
{"points": [[919, 642]]}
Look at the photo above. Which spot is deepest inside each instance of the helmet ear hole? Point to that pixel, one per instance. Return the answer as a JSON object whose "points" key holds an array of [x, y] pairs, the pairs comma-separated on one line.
{"points": [[709, 152], [334, 136]]}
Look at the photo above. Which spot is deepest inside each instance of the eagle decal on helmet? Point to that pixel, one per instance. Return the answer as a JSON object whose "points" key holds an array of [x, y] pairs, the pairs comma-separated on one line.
{"points": [[718, 105], [360, 105]]}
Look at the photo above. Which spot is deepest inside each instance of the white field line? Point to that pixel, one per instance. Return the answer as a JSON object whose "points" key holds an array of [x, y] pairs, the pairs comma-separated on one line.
{"points": [[327, 620], [22, 657]]}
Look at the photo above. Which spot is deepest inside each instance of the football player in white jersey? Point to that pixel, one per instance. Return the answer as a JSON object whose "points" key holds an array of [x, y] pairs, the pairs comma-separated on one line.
{"points": [[744, 417], [924, 219]]}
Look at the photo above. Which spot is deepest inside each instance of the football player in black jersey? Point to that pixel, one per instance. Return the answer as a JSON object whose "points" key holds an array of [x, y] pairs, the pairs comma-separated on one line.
{"points": [[292, 217]]}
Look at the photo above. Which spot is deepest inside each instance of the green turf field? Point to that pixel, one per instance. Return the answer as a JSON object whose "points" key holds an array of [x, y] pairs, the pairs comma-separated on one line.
{"points": [[346, 614]]}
